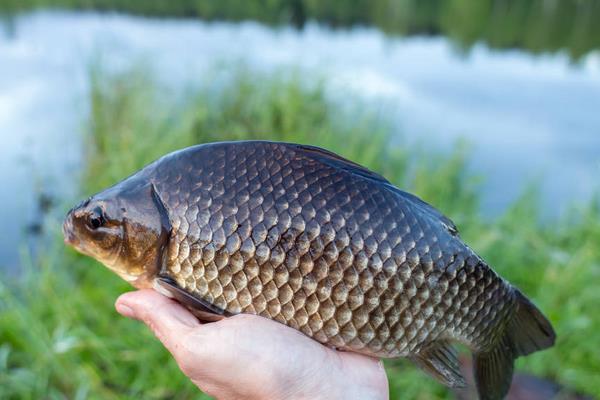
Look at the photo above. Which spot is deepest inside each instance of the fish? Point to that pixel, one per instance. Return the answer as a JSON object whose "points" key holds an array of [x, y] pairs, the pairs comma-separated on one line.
{"points": [[307, 238]]}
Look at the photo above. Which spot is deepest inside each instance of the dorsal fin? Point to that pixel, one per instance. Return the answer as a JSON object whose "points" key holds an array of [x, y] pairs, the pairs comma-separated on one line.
{"points": [[337, 161], [429, 209]]}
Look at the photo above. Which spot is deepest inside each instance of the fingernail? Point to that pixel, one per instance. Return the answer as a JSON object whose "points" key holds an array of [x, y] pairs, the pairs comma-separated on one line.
{"points": [[125, 310]]}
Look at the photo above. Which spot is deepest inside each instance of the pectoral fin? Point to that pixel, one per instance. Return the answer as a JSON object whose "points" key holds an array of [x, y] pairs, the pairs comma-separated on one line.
{"points": [[440, 361], [202, 309]]}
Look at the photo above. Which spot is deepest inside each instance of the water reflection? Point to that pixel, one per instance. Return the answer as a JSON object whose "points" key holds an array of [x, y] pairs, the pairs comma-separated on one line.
{"points": [[527, 116], [538, 26]]}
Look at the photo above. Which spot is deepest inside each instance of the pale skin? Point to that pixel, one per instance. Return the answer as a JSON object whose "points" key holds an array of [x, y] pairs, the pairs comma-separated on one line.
{"points": [[250, 357]]}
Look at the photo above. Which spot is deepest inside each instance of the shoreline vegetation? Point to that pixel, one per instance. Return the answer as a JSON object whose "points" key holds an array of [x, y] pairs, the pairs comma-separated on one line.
{"points": [[61, 338], [536, 26]]}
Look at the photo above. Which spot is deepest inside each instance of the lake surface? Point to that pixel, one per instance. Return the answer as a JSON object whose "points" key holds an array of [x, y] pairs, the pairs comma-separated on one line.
{"points": [[528, 117]]}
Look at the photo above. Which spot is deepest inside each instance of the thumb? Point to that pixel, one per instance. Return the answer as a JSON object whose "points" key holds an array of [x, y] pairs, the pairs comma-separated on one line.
{"points": [[168, 320]]}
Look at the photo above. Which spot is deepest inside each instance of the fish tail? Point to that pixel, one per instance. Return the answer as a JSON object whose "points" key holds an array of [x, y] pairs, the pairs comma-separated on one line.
{"points": [[526, 332]]}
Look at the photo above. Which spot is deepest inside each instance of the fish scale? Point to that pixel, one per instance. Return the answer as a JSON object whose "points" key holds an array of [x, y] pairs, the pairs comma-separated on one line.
{"points": [[304, 237], [339, 257]]}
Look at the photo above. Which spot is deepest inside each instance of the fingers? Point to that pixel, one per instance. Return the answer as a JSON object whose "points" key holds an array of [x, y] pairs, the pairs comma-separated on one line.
{"points": [[368, 372], [168, 320], [285, 363]]}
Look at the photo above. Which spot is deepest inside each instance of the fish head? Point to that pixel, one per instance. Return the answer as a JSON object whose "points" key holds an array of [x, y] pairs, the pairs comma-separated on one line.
{"points": [[125, 227]]}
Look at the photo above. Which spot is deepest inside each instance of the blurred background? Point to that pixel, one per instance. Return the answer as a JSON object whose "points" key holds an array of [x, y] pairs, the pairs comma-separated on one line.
{"points": [[488, 109]]}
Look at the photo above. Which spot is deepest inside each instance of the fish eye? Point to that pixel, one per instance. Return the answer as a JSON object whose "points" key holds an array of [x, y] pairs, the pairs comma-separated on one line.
{"points": [[96, 218]]}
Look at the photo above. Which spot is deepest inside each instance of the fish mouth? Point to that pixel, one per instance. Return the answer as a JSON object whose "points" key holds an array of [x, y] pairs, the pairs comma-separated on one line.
{"points": [[67, 229], [68, 225]]}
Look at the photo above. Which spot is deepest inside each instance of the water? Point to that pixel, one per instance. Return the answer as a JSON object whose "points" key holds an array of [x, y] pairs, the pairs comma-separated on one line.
{"points": [[527, 117]]}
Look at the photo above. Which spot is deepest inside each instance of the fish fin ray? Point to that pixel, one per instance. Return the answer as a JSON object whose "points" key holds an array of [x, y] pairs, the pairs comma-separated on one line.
{"points": [[337, 161], [529, 330], [202, 309], [440, 360], [526, 332], [429, 209], [493, 371]]}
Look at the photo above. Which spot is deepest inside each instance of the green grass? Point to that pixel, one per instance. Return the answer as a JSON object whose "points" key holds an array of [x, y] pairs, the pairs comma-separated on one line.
{"points": [[60, 337]]}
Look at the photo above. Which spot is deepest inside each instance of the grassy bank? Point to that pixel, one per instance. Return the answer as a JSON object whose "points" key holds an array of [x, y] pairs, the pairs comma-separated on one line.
{"points": [[534, 25], [61, 338]]}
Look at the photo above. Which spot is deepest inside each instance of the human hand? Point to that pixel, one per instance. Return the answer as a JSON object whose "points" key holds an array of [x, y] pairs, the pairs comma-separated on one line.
{"points": [[250, 357]]}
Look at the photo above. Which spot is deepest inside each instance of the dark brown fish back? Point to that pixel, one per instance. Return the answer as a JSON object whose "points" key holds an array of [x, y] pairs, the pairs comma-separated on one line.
{"points": [[324, 246]]}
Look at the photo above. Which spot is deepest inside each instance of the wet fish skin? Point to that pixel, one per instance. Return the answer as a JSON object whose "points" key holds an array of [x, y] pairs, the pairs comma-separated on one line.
{"points": [[343, 258], [304, 237]]}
